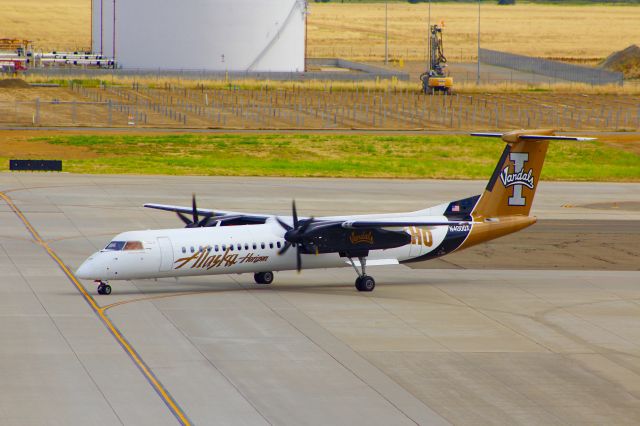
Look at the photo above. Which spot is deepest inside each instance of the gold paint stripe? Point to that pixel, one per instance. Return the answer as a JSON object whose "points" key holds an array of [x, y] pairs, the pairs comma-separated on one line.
{"points": [[168, 400]]}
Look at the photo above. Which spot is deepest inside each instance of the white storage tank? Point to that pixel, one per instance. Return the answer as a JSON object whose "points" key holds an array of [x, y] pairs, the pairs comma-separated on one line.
{"points": [[222, 35]]}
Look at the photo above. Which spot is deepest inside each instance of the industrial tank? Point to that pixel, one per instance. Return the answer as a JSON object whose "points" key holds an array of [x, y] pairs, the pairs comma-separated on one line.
{"points": [[223, 35]]}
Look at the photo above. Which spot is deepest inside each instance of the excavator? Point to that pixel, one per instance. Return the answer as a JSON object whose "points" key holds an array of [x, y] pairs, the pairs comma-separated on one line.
{"points": [[435, 79]]}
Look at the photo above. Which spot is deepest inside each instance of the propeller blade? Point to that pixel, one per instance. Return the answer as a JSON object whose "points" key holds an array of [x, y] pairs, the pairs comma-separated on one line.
{"points": [[283, 224], [195, 208], [184, 218], [295, 214], [298, 258], [284, 248]]}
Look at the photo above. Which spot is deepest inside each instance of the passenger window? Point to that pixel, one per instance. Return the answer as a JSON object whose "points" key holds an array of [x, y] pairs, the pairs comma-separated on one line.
{"points": [[216, 248], [255, 246], [192, 249], [262, 245], [278, 244], [184, 249], [133, 245], [270, 245], [224, 247], [115, 245], [208, 249], [246, 246], [239, 246]]}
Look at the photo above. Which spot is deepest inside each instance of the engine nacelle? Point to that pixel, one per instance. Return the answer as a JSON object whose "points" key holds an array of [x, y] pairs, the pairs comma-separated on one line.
{"points": [[338, 239]]}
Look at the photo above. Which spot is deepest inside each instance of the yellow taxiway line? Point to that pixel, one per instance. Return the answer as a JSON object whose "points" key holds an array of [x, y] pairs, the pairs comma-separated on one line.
{"points": [[100, 311]]}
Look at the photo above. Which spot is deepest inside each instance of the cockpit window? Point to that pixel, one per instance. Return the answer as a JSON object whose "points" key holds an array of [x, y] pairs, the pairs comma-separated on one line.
{"points": [[115, 245], [133, 245]]}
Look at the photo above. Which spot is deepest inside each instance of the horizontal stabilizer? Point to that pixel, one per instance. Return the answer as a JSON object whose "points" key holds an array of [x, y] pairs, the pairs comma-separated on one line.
{"points": [[556, 138], [488, 135], [533, 135]]}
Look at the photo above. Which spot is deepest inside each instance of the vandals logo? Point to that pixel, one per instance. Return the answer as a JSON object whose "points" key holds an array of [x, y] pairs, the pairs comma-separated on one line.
{"points": [[202, 260], [361, 237], [518, 178]]}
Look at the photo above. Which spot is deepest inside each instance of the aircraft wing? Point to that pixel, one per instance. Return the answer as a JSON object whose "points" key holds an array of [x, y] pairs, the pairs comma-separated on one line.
{"points": [[396, 222], [399, 222], [250, 217]]}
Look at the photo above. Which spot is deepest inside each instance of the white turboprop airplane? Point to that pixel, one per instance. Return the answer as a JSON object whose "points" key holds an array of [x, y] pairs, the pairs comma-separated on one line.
{"points": [[225, 242]]}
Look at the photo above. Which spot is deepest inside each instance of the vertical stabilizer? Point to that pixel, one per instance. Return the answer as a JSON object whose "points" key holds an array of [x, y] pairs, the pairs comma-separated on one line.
{"points": [[504, 206], [513, 184]]}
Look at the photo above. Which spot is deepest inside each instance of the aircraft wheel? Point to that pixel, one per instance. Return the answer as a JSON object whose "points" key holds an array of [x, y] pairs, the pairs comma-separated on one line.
{"points": [[365, 283], [263, 277], [104, 288]]}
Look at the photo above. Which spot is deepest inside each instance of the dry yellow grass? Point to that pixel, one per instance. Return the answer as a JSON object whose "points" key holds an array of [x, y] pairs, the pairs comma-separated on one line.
{"points": [[316, 85], [551, 31], [583, 33], [50, 24]]}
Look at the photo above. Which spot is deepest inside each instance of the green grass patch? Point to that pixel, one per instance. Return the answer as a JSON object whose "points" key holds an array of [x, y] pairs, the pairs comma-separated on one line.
{"points": [[328, 155]]}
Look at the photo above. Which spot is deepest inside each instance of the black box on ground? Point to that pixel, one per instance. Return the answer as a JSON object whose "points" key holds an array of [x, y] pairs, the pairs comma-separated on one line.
{"points": [[36, 165]]}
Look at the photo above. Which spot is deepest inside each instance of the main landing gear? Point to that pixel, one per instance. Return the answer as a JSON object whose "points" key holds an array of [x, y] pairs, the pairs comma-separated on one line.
{"points": [[364, 282], [103, 288], [263, 277]]}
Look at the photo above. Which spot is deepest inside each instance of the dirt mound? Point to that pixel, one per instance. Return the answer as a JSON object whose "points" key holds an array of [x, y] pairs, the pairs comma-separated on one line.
{"points": [[626, 61], [13, 83]]}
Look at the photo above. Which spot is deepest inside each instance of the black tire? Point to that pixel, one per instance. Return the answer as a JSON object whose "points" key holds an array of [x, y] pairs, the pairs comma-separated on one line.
{"points": [[367, 283], [106, 289], [267, 277], [359, 284], [101, 289], [263, 277]]}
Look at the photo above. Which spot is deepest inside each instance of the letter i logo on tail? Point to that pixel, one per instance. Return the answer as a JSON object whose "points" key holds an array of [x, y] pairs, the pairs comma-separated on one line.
{"points": [[518, 178]]}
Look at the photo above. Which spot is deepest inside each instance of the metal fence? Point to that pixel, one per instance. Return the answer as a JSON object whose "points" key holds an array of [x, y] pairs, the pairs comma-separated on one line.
{"points": [[349, 71], [554, 69], [287, 108]]}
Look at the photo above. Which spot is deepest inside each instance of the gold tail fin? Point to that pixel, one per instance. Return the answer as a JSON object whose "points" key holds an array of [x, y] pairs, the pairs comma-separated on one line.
{"points": [[513, 184], [504, 206]]}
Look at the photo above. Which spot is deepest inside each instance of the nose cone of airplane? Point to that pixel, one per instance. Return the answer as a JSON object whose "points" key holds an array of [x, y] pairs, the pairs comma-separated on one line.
{"points": [[88, 270]]}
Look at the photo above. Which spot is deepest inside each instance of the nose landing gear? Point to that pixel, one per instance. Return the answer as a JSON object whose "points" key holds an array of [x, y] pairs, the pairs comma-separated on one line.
{"points": [[103, 287]]}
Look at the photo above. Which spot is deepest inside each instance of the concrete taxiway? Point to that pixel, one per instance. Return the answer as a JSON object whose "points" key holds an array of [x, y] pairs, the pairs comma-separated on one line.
{"points": [[516, 331]]}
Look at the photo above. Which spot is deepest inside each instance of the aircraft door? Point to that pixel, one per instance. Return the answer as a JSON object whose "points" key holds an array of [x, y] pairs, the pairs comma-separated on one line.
{"points": [[166, 254]]}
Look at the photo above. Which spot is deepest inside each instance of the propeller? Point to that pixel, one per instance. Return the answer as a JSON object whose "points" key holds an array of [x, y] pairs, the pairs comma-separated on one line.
{"points": [[196, 222], [294, 234]]}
